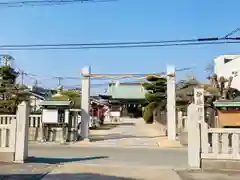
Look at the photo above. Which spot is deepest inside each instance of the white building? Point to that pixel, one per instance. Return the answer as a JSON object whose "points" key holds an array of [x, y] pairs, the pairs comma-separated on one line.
{"points": [[37, 95], [35, 100], [229, 65]]}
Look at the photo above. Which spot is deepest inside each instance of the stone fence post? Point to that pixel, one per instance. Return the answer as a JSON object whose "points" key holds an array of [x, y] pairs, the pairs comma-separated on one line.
{"points": [[193, 138], [180, 121], [22, 118]]}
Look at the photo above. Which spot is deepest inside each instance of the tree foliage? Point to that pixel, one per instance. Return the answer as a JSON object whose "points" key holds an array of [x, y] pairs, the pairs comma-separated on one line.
{"points": [[220, 89], [74, 97], [221, 86], [11, 94], [155, 96], [70, 95]]}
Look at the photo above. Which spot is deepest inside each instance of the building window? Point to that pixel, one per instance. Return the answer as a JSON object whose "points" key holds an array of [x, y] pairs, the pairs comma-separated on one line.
{"points": [[226, 60]]}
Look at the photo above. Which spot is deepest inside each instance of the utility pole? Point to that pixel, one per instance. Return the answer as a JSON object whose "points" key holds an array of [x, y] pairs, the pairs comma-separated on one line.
{"points": [[59, 80], [22, 77], [36, 83]]}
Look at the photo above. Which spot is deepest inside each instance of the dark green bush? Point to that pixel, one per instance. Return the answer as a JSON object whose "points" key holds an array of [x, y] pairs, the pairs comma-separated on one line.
{"points": [[148, 112]]}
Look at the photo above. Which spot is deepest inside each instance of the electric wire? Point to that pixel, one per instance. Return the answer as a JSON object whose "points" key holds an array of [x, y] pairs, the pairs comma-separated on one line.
{"points": [[17, 4], [75, 47]]}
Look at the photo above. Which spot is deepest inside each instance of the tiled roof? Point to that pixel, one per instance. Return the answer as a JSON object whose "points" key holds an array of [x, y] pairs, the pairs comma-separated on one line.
{"points": [[40, 96], [55, 103]]}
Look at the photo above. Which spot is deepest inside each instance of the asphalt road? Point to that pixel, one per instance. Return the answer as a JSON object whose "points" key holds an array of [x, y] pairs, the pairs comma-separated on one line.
{"points": [[88, 162], [165, 158]]}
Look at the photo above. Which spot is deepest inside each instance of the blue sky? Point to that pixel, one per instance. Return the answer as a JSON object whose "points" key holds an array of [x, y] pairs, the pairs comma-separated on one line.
{"points": [[123, 20]]}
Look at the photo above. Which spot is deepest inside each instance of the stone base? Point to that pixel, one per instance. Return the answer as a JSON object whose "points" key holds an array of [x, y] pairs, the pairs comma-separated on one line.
{"points": [[220, 164], [35, 134], [7, 156], [169, 144], [73, 135], [84, 141], [58, 133], [161, 128], [183, 138]]}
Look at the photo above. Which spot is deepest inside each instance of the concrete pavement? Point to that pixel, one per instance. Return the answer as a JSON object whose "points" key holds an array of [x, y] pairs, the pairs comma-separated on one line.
{"points": [[28, 171], [73, 171], [71, 163], [64, 162], [165, 158], [209, 175], [130, 132], [109, 163]]}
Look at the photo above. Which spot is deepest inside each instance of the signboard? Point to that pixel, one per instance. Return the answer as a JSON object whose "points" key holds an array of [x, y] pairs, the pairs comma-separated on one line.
{"points": [[50, 116], [199, 102]]}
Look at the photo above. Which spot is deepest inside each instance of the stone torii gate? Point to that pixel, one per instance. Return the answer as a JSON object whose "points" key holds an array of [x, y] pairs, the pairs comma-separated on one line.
{"points": [[171, 103], [85, 103]]}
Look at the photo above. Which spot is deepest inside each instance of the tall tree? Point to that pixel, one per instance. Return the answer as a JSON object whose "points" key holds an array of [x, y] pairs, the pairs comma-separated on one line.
{"points": [[155, 96], [221, 86]]}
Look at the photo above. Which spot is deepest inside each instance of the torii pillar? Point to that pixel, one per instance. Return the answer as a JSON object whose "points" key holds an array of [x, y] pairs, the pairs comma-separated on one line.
{"points": [[171, 102], [85, 103]]}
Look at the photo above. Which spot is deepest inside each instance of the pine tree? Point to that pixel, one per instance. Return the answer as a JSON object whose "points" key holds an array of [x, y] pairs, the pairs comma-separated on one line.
{"points": [[155, 96], [11, 94]]}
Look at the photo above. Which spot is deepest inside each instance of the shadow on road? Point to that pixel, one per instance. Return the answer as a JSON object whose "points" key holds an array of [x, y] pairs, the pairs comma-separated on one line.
{"points": [[79, 176], [109, 126], [45, 160], [106, 127]]}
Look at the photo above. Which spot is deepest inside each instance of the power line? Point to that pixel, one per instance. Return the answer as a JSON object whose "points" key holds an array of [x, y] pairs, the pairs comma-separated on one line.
{"points": [[119, 46], [12, 4], [232, 32], [119, 43], [105, 43], [206, 39], [131, 44]]}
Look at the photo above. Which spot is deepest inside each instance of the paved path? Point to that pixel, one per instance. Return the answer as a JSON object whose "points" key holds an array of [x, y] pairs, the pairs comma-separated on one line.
{"points": [[107, 163], [130, 132], [99, 163], [164, 158], [64, 162], [73, 171], [208, 175]]}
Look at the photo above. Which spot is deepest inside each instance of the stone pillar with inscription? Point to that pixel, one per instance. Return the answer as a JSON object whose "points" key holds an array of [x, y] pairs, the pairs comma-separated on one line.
{"points": [[199, 102], [195, 121]]}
